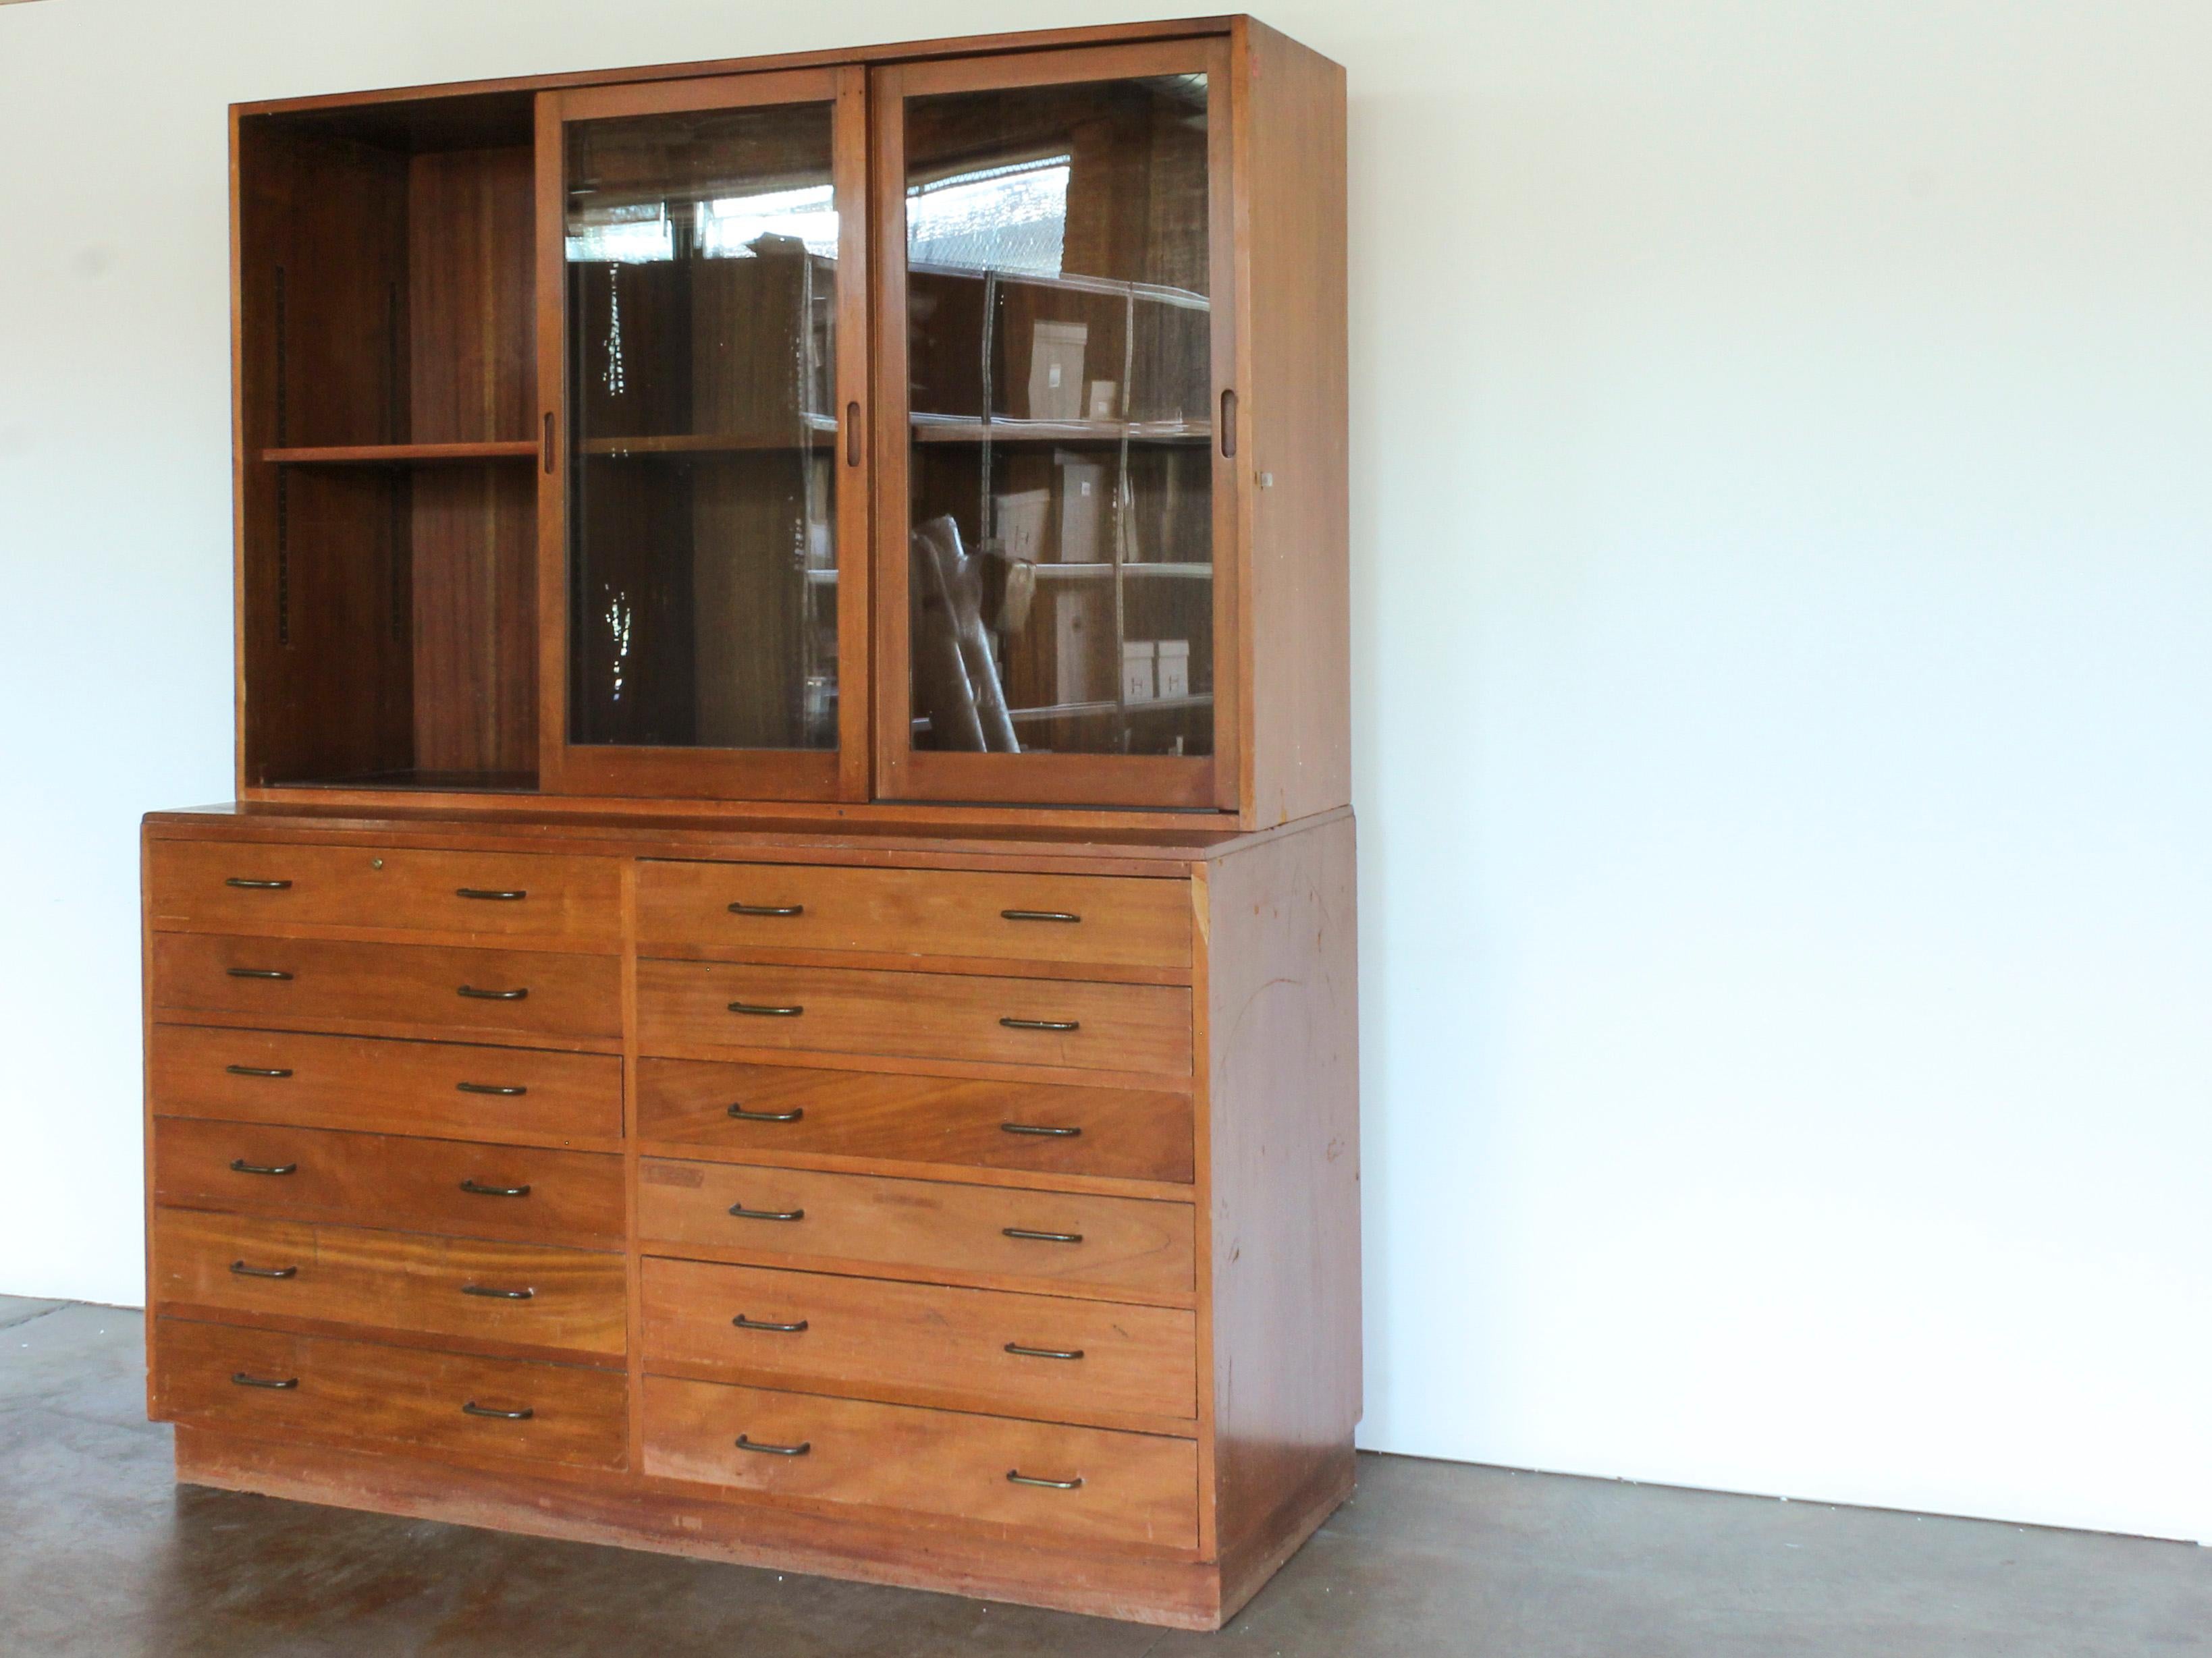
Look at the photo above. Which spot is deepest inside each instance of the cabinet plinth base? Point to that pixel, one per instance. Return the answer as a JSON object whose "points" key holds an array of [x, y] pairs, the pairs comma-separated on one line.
{"points": [[1175, 1594]]}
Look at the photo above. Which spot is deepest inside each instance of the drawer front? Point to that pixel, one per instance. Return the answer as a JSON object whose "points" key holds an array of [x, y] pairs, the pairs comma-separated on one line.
{"points": [[930, 1016], [357, 1390], [1104, 920], [235, 1264], [1128, 1245], [1038, 1355], [1133, 1133], [1133, 1488], [457, 1186], [471, 992], [233, 886], [446, 1088]]}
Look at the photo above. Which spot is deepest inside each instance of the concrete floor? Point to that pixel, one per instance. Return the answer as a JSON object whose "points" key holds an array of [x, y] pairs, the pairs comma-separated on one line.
{"points": [[101, 1554]]}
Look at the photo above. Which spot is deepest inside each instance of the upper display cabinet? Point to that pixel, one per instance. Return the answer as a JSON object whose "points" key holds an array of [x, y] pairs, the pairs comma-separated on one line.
{"points": [[946, 430]]}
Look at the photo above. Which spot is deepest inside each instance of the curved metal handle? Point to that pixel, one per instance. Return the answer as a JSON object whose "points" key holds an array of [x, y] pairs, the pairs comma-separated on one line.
{"points": [[474, 1409], [767, 910], [1041, 1237], [492, 894], [492, 1088], [257, 1071], [744, 1214], [244, 1270], [256, 886], [1041, 1024], [257, 973], [1038, 1128], [761, 1010], [240, 1378], [1038, 915], [743, 1115], [1020, 1351], [744, 1323], [1016, 1477], [493, 995], [495, 1294], [799, 1450], [495, 1191], [239, 1166]]}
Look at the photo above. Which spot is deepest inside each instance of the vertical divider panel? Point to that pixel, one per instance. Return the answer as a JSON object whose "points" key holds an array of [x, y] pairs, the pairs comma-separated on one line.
{"points": [[552, 468]]}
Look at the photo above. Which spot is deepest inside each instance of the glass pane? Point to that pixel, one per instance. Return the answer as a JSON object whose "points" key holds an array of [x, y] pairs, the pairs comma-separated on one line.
{"points": [[1060, 385], [702, 279]]}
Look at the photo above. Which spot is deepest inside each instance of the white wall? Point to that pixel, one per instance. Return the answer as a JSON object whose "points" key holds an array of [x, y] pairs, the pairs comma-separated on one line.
{"points": [[1781, 519]]}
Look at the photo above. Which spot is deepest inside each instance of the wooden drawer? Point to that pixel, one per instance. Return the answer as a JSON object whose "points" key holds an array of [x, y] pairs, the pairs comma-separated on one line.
{"points": [[1133, 1488], [921, 1229], [342, 1275], [683, 1005], [920, 1342], [460, 1186], [1101, 921], [350, 986], [234, 886], [445, 1089], [1133, 1133], [357, 1390]]}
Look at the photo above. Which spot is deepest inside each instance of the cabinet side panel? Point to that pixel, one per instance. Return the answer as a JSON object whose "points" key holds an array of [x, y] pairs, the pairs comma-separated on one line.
{"points": [[1296, 407], [1284, 1178]]}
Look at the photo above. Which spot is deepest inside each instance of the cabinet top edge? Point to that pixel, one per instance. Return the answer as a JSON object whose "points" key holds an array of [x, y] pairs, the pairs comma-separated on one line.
{"points": [[885, 52], [1171, 851]]}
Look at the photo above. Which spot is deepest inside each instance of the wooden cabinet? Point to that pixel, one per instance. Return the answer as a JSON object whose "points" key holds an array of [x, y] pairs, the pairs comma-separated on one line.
{"points": [[780, 982]]}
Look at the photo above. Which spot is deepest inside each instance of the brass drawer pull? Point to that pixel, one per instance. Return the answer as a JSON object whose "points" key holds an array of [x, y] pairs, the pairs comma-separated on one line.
{"points": [[1043, 1237], [240, 1378], [490, 893], [257, 1071], [257, 973], [244, 1270], [743, 1115], [492, 1088], [1038, 916], [474, 1409], [1038, 1128], [744, 1323], [1016, 1477], [496, 1294], [239, 1166], [470, 1186], [763, 1010], [767, 910], [1020, 1351], [799, 1450], [493, 995], [1041, 1024], [256, 886], [744, 1214]]}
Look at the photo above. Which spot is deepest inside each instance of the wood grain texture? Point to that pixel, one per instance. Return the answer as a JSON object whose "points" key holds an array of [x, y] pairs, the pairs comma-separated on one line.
{"points": [[724, 1524], [920, 1344], [1116, 922], [1139, 1250], [1133, 1133], [406, 1397], [448, 1091], [569, 901], [686, 1005], [1284, 1172], [1135, 1488], [377, 1281], [407, 987], [459, 1188]]}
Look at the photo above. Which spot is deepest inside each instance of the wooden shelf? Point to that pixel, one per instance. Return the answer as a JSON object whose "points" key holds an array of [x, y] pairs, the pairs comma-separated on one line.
{"points": [[1045, 568], [715, 443], [402, 454], [962, 428]]}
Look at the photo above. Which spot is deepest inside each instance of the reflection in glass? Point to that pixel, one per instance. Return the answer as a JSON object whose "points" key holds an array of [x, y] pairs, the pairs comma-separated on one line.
{"points": [[702, 262], [1060, 385]]}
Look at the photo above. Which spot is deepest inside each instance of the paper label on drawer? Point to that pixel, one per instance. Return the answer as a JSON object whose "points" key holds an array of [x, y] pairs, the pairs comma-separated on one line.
{"points": [[671, 1174]]}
